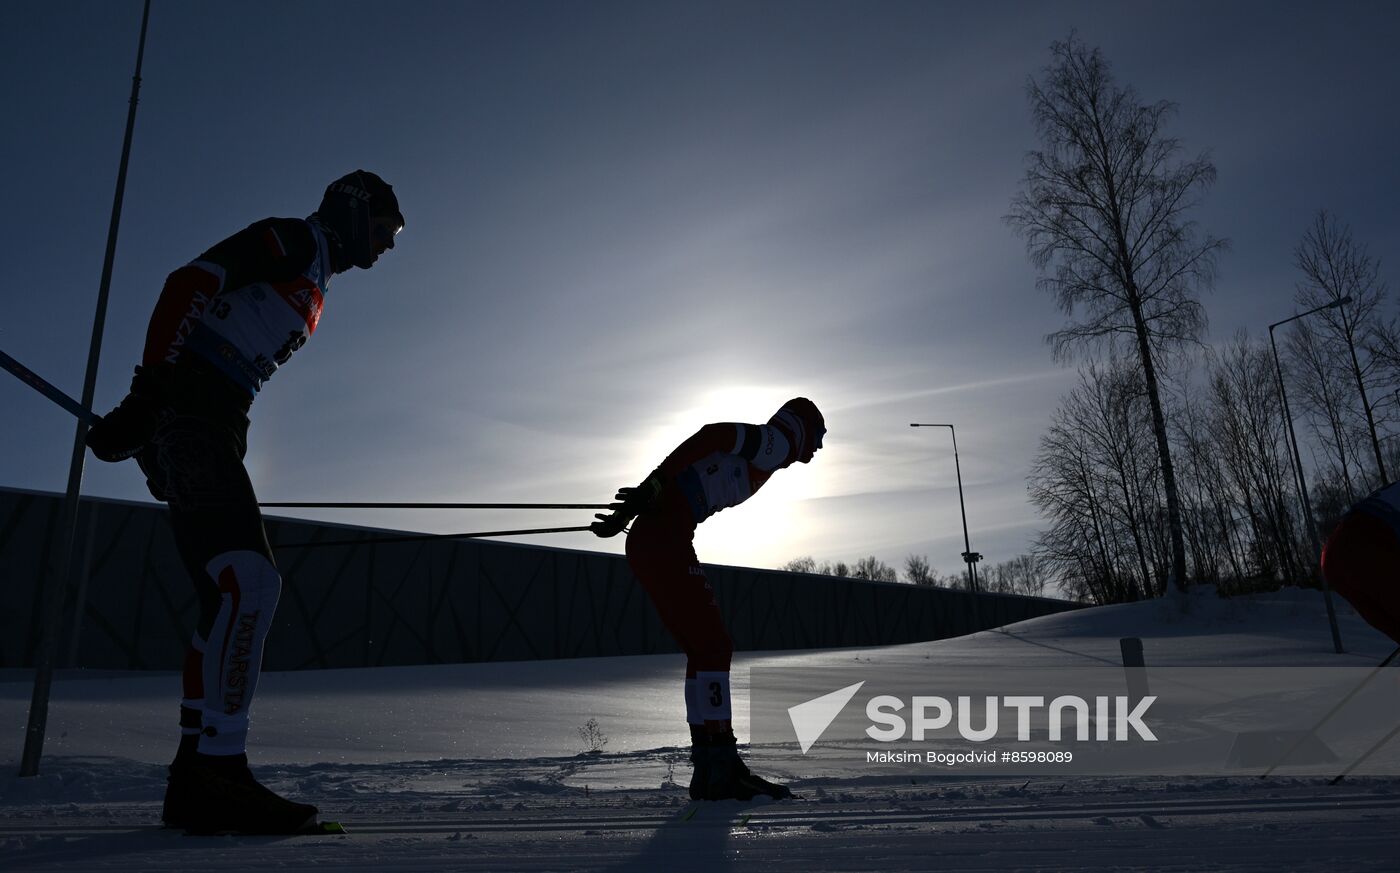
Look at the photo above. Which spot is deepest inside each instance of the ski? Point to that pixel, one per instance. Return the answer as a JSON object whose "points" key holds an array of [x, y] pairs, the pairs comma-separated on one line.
{"points": [[315, 829], [1333, 711], [38, 383], [1368, 753], [326, 827]]}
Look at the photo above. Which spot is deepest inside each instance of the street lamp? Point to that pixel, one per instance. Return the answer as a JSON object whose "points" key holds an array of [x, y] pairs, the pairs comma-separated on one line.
{"points": [[1298, 469], [968, 555]]}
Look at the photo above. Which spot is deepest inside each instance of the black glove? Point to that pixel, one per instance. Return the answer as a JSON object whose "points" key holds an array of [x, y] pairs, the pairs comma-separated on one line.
{"points": [[126, 430], [633, 502], [642, 499], [609, 525]]}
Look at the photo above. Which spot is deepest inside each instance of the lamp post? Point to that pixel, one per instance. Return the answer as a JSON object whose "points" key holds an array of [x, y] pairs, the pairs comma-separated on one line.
{"points": [[1298, 470], [968, 555]]}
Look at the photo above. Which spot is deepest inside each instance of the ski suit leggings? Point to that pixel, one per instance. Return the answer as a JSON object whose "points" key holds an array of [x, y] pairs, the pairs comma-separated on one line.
{"points": [[195, 464], [1362, 562], [661, 553]]}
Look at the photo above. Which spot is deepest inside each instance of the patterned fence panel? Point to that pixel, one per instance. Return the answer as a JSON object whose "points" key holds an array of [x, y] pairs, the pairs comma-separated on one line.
{"points": [[427, 602]]}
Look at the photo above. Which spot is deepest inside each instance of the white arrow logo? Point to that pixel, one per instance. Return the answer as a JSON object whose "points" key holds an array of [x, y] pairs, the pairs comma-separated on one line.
{"points": [[811, 719]]}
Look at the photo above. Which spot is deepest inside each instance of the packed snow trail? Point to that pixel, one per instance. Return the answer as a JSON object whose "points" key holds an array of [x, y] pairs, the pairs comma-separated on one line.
{"points": [[519, 816], [479, 767]]}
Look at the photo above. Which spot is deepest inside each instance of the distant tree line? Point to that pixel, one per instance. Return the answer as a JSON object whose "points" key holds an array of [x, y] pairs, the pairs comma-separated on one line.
{"points": [[1024, 574], [1096, 481], [1170, 464]]}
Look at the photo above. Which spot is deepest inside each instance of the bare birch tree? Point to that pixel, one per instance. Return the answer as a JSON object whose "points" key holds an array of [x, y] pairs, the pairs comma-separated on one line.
{"points": [[1384, 348], [1088, 479], [1334, 266], [918, 571], [1319, 379], [1103, 209], [1247, 429], [1023, 574], [875, 570], [1213, 544]]}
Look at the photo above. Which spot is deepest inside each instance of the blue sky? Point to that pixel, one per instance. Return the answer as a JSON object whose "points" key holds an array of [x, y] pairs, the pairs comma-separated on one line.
{"points": [[627, 219]]}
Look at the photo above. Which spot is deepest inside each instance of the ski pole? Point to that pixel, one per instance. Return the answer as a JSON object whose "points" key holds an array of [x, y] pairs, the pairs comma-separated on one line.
{"points": [[1369, 752], [305, 505], [415, 538], [1333, 711], [38, 383]]}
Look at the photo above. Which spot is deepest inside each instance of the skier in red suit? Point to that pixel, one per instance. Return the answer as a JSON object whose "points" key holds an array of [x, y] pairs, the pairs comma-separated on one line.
{"points": [[722, 465], [223, 325], [1362, 559]]}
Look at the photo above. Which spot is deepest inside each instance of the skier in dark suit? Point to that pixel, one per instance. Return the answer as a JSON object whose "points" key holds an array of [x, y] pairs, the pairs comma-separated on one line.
{"points": [[722, 465], [222, 326]]}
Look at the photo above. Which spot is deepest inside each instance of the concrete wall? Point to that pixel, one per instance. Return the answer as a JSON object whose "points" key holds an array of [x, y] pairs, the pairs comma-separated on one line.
{"points": [[427, 602]]}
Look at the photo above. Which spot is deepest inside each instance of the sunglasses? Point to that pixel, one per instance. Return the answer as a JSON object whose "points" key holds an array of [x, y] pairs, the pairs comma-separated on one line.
{"points": [[385, 229]]}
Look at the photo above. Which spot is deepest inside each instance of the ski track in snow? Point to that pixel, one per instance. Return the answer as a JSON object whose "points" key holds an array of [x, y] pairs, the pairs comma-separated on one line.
{"points": [[96, 805], [536, 815]]}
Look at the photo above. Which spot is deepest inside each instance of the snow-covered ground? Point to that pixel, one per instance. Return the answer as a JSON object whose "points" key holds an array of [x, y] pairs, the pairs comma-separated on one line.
{"points": [[481, 767]]}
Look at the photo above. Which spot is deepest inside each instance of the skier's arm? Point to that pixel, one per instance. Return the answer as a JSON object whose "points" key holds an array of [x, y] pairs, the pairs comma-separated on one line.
{"points": [[271, 250], [739, 439], [632, 503]]}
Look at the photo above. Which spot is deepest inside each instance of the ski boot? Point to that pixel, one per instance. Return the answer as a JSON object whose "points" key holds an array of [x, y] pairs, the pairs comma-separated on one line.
{"points": [[727, 777], [209, 794], [700, 761]]}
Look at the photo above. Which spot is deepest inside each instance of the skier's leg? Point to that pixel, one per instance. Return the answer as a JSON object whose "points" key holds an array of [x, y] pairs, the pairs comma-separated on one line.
{"points": [[662, 558], [668, 569], [248, 586], [197, 468], [157, 463], [192, 675], [720, 773], [664, 562]]}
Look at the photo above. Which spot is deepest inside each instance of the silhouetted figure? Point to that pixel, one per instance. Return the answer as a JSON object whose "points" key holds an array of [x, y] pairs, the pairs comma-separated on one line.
{"points": [[722, 465], [1362, 559], [222, 326]]}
